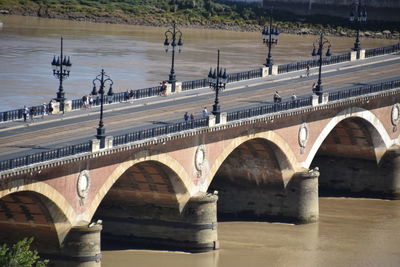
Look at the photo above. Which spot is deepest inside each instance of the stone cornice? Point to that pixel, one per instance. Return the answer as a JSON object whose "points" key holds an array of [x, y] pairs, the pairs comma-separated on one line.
{"points": [[187, 133]]}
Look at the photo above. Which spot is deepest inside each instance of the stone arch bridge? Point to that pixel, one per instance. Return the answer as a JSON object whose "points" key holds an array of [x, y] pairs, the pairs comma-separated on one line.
{"points": [[169, 191]]}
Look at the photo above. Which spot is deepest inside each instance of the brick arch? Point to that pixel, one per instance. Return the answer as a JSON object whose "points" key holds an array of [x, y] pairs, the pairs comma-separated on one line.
{"points": [[28, 210], [286, 158], [182, 182], [378, 135]]}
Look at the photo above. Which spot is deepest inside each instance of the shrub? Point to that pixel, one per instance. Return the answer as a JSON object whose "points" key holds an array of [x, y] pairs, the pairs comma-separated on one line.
{"points": [[20, 255]]}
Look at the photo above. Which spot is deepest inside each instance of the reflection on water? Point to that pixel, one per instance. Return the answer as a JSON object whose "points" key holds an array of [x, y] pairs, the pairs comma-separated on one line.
{"points": [[350, 232], [133, 56]]}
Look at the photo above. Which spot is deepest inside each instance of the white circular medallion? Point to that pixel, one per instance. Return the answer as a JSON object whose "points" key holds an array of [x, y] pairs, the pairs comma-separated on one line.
{"points": [[395, 115], [83, 184], [303, 135], [199, 158]]}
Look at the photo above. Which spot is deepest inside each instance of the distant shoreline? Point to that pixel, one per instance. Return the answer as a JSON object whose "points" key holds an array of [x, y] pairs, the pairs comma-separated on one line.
{"points": [[284, 27]]}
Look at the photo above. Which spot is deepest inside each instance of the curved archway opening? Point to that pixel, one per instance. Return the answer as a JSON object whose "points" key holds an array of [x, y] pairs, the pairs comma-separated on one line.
{"points": [[29, 214], [142, 205], [251, 182], [347, 160]]}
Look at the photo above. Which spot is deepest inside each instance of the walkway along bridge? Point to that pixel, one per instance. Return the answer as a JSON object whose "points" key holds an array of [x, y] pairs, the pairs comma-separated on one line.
{"points": [[162, 186]]}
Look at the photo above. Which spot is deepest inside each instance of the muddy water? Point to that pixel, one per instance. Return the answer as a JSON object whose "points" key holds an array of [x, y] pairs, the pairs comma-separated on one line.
{"points": [[132, 55], [351, 232]]}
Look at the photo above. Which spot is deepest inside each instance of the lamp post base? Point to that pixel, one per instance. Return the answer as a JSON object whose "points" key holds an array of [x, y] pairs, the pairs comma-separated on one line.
{"points": [[101, 135]]}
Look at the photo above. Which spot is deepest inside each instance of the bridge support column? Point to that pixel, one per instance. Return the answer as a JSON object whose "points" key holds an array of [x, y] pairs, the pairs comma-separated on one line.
{"points": [[390, 173], [301, 203], [81, 247], [194, 229]]}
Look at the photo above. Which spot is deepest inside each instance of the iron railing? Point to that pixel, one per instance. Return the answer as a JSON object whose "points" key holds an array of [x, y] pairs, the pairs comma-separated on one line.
{"points": [[270, 108], [302, 65], [373, 52], [44, 156], [159, 131], [363, 90]]}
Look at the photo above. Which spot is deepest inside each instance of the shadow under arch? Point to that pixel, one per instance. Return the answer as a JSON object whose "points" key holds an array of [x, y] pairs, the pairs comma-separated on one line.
{"points": [[349, 155], [180, 179], [148, 196], [379, 136], [29, 213], [252, 178], [286, 158]]}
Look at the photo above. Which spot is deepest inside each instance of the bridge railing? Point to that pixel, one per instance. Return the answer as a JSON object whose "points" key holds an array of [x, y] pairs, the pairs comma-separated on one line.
{"points": [[302, 65], [389, 49], [44, 156], [270, 108], [363, 90], [159, 131], [18, 114]]}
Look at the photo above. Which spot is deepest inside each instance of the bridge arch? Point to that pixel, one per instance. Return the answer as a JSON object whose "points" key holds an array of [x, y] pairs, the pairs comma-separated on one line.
{"points": [[286, 158], [252, 175], [33, 211], [180, 180], [379, 136]]}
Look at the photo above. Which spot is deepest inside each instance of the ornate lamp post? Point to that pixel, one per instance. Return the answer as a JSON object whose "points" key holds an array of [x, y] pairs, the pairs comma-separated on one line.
{"points": [[358, 16], [270, 37], [102, 79], [172, 34], [320, 42], [61, 69], [217, 81]]}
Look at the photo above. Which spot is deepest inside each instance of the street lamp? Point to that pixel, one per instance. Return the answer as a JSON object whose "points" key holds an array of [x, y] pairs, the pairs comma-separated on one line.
{"points": [[172, 34], [61, 69], [217, 81], [102, 79], [270, 37], [321, 41], [358, 16]]}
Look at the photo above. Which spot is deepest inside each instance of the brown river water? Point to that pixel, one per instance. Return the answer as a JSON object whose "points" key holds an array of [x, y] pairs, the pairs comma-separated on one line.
{"points": [[133, 56], [350, 232]]}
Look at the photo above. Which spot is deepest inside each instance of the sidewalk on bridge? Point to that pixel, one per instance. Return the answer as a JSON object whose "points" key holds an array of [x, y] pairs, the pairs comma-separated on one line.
{"points": [[4, 126]]}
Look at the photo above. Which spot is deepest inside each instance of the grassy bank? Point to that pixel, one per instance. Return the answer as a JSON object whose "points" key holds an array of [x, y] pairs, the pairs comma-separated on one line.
{"points": [[191, 13]]}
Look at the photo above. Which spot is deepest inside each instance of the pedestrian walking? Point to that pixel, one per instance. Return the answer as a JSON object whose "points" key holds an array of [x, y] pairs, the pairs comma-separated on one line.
{"points": [[308, 70], [90, 101], [32, 112], [127, 95], [44, 106], [51, 107], [26, 113], [85, 101], [186, 116], [314, 87], [205, 112], [191, 116], [294, 97], [163, 91], [277, 97]]}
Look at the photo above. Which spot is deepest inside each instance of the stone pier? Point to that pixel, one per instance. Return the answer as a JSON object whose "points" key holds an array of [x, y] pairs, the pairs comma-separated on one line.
{"points": [[193, 229]]}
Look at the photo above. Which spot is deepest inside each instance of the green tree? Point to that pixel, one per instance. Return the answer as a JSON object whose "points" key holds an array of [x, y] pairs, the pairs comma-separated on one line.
{"points": [[20, 255]]}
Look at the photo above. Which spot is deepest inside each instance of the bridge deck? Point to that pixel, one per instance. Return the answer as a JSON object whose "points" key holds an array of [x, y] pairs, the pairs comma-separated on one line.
{"points": [[19, 138]]}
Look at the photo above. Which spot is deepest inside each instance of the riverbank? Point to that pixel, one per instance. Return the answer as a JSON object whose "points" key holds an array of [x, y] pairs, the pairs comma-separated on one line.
{"points": [[200, 17]]}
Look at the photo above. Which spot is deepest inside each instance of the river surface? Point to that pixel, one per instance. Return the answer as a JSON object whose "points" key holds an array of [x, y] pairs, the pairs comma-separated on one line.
{"points": [[133, 56], [350, 232]]}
